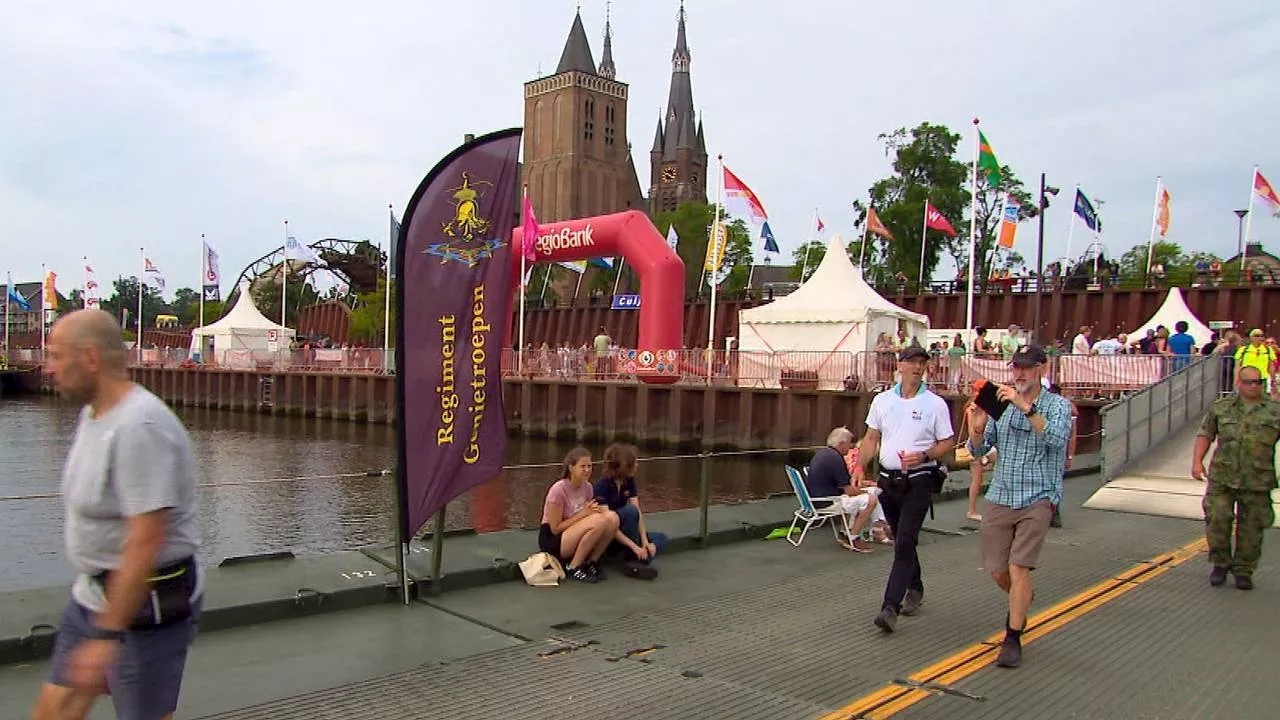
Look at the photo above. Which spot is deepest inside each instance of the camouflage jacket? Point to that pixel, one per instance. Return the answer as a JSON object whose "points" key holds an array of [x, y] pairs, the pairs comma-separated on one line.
{"points": [[1247, 436]]}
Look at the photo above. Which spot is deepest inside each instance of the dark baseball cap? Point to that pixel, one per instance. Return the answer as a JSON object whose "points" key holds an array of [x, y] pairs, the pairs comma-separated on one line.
{"points": [[1029, 356], [911, 352]]}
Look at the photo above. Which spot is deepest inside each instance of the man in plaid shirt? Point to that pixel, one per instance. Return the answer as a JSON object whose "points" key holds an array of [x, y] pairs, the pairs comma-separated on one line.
{"points": [[1032, 434]]}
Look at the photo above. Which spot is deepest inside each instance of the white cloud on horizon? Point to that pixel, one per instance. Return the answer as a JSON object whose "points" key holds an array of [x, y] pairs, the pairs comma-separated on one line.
{"points": [[149, 124]]}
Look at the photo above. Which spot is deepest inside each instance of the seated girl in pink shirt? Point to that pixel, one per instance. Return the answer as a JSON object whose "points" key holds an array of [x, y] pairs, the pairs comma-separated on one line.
{"points": [[575, 528]]}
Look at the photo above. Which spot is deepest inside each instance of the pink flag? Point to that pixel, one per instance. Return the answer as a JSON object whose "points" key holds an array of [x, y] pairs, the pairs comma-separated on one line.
{"points": [[529, 235], [937, 221], [820, 225]]}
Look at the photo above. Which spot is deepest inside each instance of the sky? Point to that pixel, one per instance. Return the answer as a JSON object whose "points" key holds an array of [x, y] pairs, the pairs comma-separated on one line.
{"points": [[143, 124]]}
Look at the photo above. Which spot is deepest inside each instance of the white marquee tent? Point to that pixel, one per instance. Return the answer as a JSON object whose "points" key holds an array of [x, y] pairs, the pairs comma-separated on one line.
{"points": [[835, 310], [240, 334], [1174, 309]]}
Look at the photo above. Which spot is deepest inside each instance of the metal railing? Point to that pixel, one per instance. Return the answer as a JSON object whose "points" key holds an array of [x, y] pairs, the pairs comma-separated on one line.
{"points": [[1140, 421]]}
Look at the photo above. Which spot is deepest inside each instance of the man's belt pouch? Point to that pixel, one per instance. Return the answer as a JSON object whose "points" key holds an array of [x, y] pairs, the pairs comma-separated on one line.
{"points": [[168, 598]]}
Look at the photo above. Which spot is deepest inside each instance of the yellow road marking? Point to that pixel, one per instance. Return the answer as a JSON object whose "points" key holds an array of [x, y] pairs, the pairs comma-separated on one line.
{"points": [[892, 698]]}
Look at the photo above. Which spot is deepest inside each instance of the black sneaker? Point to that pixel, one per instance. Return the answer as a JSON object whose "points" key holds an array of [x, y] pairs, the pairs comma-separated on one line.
{"points": [[593, 567], [911, 602], [887, 620], [1010, 652], [1244, 582], [1218, 575], [581, 575]]}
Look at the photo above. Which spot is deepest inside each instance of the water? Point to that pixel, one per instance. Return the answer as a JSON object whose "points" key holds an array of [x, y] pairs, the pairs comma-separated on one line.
{"points": [[277, 490]]}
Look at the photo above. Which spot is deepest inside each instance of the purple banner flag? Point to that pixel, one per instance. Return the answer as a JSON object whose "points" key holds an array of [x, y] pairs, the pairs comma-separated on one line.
{"points": [[453, 302]]}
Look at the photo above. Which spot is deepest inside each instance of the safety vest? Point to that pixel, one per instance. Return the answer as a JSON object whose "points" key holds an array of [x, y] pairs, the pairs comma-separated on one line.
{"points": [[1261, 357]]}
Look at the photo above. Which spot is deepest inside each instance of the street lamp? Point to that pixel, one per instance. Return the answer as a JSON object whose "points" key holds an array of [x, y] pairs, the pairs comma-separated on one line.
{"points": [[1045, 191], [1240, 233]]}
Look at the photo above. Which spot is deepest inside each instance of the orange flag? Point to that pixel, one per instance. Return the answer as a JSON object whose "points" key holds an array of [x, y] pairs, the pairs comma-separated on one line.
{"points": [[1162, 213], [874, 225]]}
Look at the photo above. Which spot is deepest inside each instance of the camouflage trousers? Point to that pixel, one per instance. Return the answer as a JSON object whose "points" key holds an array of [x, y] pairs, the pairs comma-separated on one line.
{"points": [[1252, 513]]}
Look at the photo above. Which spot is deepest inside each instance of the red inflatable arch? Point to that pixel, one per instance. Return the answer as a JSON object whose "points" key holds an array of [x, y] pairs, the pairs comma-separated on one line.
{"points": [[661, 272]]}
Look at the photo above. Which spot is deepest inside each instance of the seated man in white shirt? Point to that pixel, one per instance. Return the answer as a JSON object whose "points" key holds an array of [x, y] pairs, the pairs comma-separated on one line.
{"points": [[1111, 346], [828, 477]]}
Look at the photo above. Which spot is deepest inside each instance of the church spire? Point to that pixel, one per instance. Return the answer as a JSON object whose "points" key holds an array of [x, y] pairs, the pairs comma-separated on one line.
{"points": [[680, 56], [577, 51], [607, 68]]}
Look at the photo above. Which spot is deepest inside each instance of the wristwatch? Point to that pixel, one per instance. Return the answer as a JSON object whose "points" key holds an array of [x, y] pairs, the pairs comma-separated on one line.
{"points": [[97, 633]]}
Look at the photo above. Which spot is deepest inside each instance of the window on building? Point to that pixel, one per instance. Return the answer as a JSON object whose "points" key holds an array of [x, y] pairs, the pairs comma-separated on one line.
{"points": [[589, 125]]}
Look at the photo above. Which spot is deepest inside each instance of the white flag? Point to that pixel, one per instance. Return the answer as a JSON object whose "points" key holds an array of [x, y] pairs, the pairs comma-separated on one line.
{"points": [[151, 274], [294, 250], [672, 238], [92, 293], [212, 279]]}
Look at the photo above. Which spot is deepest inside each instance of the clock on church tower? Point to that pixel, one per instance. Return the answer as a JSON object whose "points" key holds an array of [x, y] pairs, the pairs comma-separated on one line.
{"points": [[669, 175]]}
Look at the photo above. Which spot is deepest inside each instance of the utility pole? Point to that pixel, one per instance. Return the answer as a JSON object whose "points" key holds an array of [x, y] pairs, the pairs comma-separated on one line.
{"points": [[1045, 192]]}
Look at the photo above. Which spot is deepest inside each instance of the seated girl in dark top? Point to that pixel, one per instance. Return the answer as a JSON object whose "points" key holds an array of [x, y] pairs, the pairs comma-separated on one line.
{"points": [[616, 489], [575, 528]]}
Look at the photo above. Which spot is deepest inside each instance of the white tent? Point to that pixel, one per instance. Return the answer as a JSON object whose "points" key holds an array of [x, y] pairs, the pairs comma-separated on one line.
{"points": [[835, 310], [240, 334], [1174, 309]]}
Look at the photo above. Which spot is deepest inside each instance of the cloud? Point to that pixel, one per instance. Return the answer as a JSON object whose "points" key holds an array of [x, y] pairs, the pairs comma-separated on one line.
{"points": [[148, 123]]}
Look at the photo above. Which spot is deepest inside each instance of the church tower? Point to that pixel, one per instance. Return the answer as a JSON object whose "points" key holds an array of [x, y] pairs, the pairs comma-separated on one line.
{"points": [[678, 159], [577, 161]]}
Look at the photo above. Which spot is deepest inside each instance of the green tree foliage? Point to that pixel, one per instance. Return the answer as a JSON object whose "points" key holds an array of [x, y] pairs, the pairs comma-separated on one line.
{"points": [[925, 168], [186, 305], [124, 296], [298, 294], [806, 259], [1179, 266], [693, 226], [366, 321]]}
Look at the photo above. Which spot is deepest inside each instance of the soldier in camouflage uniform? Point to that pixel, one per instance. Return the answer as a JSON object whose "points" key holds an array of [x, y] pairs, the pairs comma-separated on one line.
{"points": [[1241, 477]]}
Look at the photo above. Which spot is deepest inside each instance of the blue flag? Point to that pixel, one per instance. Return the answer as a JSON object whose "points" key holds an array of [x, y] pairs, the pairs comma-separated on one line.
{"points": [[1085, 210], [604, 262], [14, 297], [770, 245]]}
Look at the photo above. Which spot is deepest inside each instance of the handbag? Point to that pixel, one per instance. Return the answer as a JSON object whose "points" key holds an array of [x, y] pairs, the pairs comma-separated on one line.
{"points": [[963, 456], [542, 569]]}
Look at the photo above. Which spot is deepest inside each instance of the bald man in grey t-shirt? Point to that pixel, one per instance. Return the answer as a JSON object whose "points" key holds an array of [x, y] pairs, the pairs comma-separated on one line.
{"points": [[129, 486]]}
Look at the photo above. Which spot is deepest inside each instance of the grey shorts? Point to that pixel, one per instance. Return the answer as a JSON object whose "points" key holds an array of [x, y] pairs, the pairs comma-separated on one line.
{"points": [[147, 677], [1014, 537]]}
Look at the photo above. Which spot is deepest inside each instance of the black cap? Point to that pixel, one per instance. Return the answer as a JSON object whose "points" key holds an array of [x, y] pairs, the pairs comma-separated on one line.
{"points": [[912, 351], [1029, 356]]}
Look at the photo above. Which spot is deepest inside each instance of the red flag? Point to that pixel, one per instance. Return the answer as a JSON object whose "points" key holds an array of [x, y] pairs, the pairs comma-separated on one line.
{"points": [[740, 200], [1264, 189], [874, 225], [935, 220], [529, 234], [820, 225]]}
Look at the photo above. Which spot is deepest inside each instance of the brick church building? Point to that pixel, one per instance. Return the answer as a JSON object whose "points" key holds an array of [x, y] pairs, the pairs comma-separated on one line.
{"points": [[577, 156]]}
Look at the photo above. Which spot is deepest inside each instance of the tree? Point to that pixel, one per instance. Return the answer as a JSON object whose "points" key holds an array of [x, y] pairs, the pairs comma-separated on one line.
{"points": [[925, 168], [76, 301], [125, 298], [366, 320], [693, 226], [186, 305], [1179, 266], [806, 259], [298, 294]]}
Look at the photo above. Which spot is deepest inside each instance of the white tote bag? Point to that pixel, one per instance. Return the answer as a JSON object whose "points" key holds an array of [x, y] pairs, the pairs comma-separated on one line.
{"points": [[542, 570]]}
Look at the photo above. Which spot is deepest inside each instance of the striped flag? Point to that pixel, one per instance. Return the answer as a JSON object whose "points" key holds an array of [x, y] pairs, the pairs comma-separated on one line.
{"points": [[1008, 222]]}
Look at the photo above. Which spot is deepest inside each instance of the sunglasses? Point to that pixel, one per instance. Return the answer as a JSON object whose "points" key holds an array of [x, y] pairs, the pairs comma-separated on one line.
{"points": [[1250, 382]]}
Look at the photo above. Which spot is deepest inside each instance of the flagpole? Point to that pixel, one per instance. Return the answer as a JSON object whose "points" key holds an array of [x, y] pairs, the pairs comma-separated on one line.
{"points": [[924, 234], [1248, 218], [1071, 230], [204, 274], [621, 262], [44, 274], [524, 211], [546, 280], [386, 292], [862, 251], [715, 266], [1155, 219], [8, 300], [973, 228], [804, 270], [142, 284], [284, 273]]}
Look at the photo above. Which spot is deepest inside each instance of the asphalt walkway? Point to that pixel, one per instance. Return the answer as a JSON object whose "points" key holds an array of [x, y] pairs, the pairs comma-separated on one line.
{"points": [[1126, 628]]}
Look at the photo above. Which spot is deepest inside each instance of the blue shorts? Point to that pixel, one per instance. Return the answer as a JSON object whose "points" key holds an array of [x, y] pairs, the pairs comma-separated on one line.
{"points": [[147, 677]]}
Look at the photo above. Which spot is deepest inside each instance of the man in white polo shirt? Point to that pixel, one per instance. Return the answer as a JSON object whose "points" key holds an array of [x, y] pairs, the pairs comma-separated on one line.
{"points": [[909, 430]]}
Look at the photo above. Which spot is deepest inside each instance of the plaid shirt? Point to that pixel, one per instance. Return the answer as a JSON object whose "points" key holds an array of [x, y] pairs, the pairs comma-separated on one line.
{"points": [[1031, 464]]}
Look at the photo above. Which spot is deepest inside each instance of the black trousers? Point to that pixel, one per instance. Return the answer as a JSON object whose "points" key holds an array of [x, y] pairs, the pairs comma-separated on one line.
{"points": [[905, 504]]}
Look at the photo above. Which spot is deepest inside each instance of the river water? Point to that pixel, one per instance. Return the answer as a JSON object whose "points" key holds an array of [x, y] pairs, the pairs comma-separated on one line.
{"points": [[275, 483]]}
